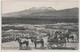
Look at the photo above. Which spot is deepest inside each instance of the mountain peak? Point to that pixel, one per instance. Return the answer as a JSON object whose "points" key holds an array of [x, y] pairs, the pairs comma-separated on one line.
{"points": [[42, 11], [41, 8]]}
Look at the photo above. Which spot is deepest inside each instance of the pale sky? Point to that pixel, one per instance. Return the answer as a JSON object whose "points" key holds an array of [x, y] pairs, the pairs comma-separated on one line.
{"points": [[14, 6]]}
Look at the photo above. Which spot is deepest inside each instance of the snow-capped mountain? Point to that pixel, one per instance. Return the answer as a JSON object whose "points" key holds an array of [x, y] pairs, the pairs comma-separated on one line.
{"points": [[28, 11], [42, 8], [41, 15]]}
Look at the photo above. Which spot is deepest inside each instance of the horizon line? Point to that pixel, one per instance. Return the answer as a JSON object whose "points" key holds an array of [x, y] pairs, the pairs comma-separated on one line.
{"points": [[36, 7]]}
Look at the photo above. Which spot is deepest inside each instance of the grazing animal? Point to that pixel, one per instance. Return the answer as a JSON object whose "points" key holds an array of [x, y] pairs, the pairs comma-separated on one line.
{"points": [[20, 43], [36, 41]]}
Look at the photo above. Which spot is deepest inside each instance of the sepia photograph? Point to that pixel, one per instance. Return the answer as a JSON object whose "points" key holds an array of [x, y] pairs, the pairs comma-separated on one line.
{"points": [[40, 25]]}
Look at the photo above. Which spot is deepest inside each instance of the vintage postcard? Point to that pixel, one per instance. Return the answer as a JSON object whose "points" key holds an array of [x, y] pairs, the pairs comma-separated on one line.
{"points": [[40, 25]]}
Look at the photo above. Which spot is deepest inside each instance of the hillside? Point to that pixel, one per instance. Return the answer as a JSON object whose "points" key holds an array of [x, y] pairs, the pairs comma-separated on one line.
{"points": [[72, 12], [41, 16], [28, 11]]}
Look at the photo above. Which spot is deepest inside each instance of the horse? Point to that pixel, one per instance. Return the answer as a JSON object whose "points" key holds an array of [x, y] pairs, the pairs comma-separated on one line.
{"points": [[36, 41], [20, 43], [67, 36], [57, 40]]}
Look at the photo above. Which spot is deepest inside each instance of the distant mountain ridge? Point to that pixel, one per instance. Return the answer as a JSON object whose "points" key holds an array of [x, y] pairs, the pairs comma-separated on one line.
{"points": [[28, 11], [42, 15], [73, 12]]}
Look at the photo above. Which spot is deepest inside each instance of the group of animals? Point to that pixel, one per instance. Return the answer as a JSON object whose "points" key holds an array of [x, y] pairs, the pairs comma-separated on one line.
{"points": [[35, 40]]}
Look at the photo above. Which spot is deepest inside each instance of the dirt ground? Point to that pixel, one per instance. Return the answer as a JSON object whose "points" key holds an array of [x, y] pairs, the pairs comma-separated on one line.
{"points": [[13, 45]]}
